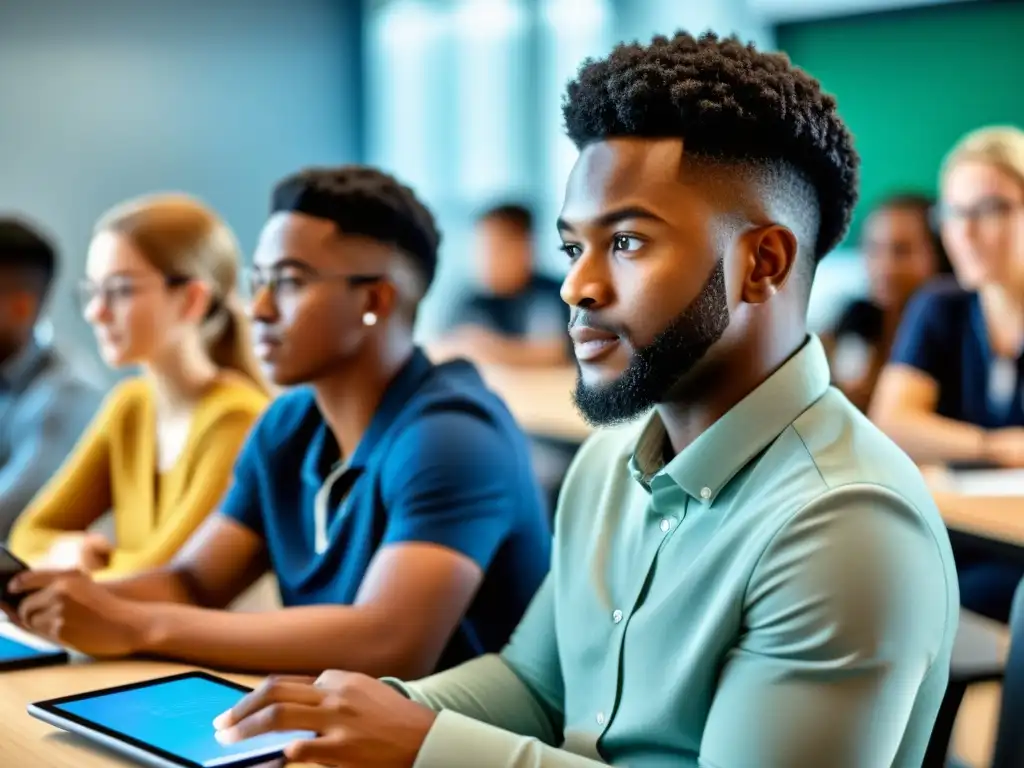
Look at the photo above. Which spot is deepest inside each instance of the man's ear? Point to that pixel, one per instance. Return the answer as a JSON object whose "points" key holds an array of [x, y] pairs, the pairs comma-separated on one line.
{"points": [[772, 254], [381, 299]]}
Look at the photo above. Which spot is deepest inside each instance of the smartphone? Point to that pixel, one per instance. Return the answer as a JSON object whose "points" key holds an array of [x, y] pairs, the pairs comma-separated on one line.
{"points": [[10, 566]]}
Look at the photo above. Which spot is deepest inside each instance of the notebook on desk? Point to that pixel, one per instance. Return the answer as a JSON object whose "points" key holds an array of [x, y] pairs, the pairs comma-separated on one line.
{"points": [[987, 482]]}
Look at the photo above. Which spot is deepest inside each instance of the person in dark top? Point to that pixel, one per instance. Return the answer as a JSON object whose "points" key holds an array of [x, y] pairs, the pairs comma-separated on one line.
{"points": [[952, 390], [516, 317], [393, 499], [902, 252]]}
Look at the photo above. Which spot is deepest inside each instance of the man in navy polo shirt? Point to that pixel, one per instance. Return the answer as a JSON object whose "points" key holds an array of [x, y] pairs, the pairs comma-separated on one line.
{"points": [[393, 499]]}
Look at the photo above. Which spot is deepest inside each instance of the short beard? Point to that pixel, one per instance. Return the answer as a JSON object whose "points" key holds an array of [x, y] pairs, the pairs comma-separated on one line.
{"points": [[655, 370]]}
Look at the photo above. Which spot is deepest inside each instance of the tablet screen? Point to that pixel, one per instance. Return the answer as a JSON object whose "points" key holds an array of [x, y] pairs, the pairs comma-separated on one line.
{"points": [[16, 645], [176, 717], [11, 650]]}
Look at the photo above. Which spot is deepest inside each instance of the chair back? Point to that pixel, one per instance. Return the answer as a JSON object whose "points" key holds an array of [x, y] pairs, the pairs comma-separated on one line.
{"points": [[1009, 749]]}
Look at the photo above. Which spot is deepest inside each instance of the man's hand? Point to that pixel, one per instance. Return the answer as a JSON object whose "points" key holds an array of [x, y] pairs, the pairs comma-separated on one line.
{"points": [[78, 551], [359, 721], [69, 608], [1005, 447]]}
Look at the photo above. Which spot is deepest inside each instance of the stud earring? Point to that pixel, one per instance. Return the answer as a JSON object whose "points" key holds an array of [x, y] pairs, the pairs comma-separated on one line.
{"points": [[369, 319]]}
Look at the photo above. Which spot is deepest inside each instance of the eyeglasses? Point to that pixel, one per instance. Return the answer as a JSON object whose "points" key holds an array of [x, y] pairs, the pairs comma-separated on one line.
{"points": [[120, 289], [985, 210], [288, 281]]}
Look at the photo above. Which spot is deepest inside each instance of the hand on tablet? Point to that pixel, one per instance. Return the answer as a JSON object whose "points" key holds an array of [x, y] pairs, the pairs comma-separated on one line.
{"points": [[360, 721], [70, 608]]}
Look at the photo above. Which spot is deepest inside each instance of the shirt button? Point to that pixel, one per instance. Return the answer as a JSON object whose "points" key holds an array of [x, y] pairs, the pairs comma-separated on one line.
{"points": [[600, 718], [705, 493], [665, 525], [616, 616]]}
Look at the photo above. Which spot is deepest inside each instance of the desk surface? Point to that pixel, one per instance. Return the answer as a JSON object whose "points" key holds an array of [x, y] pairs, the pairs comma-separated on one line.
{"points": [[992, 517], [540, 399], [25, 741]]}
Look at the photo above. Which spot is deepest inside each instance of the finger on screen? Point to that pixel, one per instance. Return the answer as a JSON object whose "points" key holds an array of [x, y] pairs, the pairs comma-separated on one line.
{"points": [[274, 718], [273, 691]]}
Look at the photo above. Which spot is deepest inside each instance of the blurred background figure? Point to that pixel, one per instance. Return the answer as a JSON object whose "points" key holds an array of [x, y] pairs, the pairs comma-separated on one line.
{"points": [[902, 252], [44, 403], [952, 390], [514, 315], [159, 293]]}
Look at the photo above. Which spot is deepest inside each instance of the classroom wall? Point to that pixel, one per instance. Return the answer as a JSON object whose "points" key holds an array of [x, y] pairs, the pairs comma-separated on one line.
{"points": [[642, 19], [910, 83], [106, 99]]}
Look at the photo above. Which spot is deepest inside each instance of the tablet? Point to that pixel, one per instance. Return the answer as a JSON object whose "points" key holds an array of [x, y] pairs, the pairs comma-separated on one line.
{"points": [[10, 566], [165, 723], [21, 650]]}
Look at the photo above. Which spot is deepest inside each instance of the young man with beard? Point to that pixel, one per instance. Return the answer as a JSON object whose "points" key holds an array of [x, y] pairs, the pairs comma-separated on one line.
{"points": [[393, 499], [755, 576]]}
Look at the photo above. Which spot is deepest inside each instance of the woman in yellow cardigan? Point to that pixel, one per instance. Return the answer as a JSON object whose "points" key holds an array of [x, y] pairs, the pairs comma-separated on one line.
{"points": [[159, 293]]}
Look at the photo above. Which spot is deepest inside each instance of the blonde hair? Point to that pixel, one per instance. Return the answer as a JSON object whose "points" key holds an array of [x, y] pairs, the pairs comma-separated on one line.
{"points": [[1001, 146], [183, 238]]}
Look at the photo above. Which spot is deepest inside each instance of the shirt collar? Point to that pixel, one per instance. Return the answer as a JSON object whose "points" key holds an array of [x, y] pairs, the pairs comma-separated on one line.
{"points": [[706, 466], [323, 454], [15, 372]]}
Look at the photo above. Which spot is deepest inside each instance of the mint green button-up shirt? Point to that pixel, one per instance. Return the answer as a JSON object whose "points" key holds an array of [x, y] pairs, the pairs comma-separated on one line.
{"points": [[781, 594]]}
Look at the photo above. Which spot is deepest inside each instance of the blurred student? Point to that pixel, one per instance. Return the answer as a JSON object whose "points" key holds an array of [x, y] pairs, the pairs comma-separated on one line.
{"points": [[952, 391], [902, 252], [44, 404], [515, 317], [159, 293], [753, 576], [393, 499]]}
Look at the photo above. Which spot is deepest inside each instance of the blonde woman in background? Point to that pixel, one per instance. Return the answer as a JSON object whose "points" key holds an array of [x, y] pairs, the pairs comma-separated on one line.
{"points": [[159, 293], [951, 392]]}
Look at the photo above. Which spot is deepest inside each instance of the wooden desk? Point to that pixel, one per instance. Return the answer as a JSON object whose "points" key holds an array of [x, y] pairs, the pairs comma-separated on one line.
{"points": [[540, 399], [999, 518], [30, 743]]}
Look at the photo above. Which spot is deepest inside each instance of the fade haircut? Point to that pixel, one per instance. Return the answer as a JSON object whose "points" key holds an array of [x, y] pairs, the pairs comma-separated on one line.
{"points": [[365, 201], [743, 110]]}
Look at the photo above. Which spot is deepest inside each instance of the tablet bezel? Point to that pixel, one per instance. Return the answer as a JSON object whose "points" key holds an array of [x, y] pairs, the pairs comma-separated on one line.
{"points": [[49, 655], [51, 708]]}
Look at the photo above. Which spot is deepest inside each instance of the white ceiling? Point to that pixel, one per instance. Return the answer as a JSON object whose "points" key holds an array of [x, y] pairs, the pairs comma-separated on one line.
{"points": [[777, 11]]}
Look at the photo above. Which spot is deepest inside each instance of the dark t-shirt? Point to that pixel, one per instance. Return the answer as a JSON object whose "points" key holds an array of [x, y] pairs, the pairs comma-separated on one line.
{"points": [[862, 318], [943, 335], [536, 312], [857, 336]]}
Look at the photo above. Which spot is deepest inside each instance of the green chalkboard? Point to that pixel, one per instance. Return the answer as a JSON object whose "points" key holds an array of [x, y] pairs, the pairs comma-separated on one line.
{"points": [[909, 84]]}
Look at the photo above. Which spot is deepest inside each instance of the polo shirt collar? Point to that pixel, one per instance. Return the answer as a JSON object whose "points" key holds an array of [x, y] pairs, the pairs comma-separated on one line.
{"points": [[707, 465], [323, 453]]}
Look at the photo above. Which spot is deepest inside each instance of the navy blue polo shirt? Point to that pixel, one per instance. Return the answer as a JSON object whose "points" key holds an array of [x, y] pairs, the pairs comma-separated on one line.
{"points": [[943, 334], [442, 462]]}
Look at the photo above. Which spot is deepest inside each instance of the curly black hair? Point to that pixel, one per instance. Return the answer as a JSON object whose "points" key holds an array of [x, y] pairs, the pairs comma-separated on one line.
{"points": [[26, 250], [727, 101], [365, 201]]}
